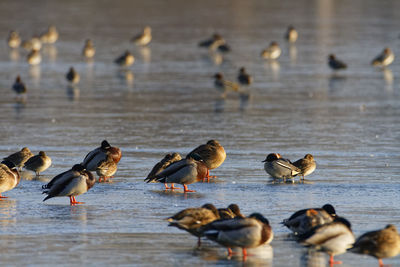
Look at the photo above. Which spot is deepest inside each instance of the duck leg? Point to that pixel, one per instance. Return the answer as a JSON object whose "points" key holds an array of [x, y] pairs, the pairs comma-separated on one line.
{"points": [[172, 187], [2, 196], [185, 189], [244, 254], [332, 261], [208, 176], [198, 242], [72, 201]]}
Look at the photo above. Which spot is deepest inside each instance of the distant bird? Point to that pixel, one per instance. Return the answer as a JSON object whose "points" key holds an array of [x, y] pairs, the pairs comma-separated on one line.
{"points": [[162, 165], [273, 51], [88, 50], [193, 219], [216, 42], [143, 38], [307, 165], [212, 153], [38, 163], [106, 168], [50, 36], [19, 158], [244, 78], [232, 211], [336, 64], [13, 40], [304, 220], [333, 238], [19, 86], [33, 44], [249, 232], [9, 176], [71, 183], [72, 76], [94, 157], [291, 34], [280, 168], [380, 244], [225, 85], [34, 57], [125, 60], [384, 59]]}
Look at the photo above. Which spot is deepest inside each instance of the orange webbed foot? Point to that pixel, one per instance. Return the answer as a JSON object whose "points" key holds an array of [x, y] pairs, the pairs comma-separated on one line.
{"points": [[185, 189]]}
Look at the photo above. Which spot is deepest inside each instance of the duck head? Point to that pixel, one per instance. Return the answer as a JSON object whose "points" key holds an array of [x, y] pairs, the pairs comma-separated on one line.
{"points": [[259, 217], [211, 207], [271, 157], [329, 209], [105, 145]]}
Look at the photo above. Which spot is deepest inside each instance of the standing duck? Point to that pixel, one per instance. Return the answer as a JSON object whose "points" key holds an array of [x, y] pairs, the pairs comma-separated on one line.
{"points": [[232, 211], [273, 51], [212, 153], [34, 57], [106, 168], [9, 176], [50, 36], [143, 38], [216, 42], [280, 168], [162, 165], [244, 78], [380, 244], [336, 64], [384, 59], [71, 183], [19, 86], [224, 85], [19, 158], [291, 34], [125, 60], [94, 157], [88, 50], [245, 233], [13, 40], [38, 163], [307, 165], [72, 76], [32, 44]]}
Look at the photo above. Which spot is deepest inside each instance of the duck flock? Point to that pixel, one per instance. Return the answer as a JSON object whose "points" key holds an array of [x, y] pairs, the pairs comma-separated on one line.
{"points": [[320, 228]]}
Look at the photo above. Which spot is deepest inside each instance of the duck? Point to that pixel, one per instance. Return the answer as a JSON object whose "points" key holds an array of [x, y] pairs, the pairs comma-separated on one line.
{"points": [[212, 153], [232, 211], [280, 168], [34, 57], [336, 64], [249, 232], [307, 165], [71, 183], [243, 77], [88, 50], [185, 171], [333, 238], [216, 42], [38, 163], [125, 60], [92, 159], [384, 59], [33, 44], [291, 34], [162, 165], [193, 219], [19, 158], [106, 168], [384, 243], [13, 40], [72, 76], [273, 51], [224, 85], [304, 220], [50, 36], [19, 86], [143, 38], [9, 176]]}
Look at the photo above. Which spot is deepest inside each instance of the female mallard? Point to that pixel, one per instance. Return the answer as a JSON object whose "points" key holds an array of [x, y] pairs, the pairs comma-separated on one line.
{"points": [[291, 34], [50, 36], [72, 76], [19, 158], [245, 233], [273, 51], [13, 39], [384, 59], [9, 176], [143, 38], [307, 165], [244, 78], [335, 64], [380, 244], [212, 153], [192, 219], [34, 57], [38, 163], [71, 183], [93, 158], [125, 60], [88, 50], [232, 211], [106, 168], [280, 168], [162, 165]]}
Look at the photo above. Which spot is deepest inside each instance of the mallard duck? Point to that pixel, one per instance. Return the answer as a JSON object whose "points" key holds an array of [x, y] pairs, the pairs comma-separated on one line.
{"points": [[162, 165], [291, 34], [33, 44], [186, 171], [307, 165], [212, 153], [232, 211], [304, 220], [9, 176], [34, 57], [243, 77], [335, 64], [245, 233], [72, 76], [143, 38], [273, 51], [125, 60], [216, 42], [380, 244], [19, 86], [14, 40], [192, 219], [88, 50], [106, 168], [384, 59], [38, 163], [19, 158], [225, 85], [71, 183], [93, 158], [50, 36], [280, 168], [333, 238]]}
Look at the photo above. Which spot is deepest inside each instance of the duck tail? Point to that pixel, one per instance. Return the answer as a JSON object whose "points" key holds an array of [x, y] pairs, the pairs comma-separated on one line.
{"points": [[46, 198]]}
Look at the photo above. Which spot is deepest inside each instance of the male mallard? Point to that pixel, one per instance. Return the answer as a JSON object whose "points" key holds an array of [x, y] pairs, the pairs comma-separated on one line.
{"points": [[72, 76], [93, 158], [273, 51], [383, 59], [244, 78], [71, 183], [335, 63], [13, 39], [19, 158], [143, 38], [245, 233], [34, 57], [106, 168], [280, 168], [125, 60], [232, 211], [9, 176], [291, 34], [212, 153], [88, 50], [162, 165], [380, 244], [38, 163], [192, 219], [50, 36], [19, 86], [225, 85], [307, 165]]}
